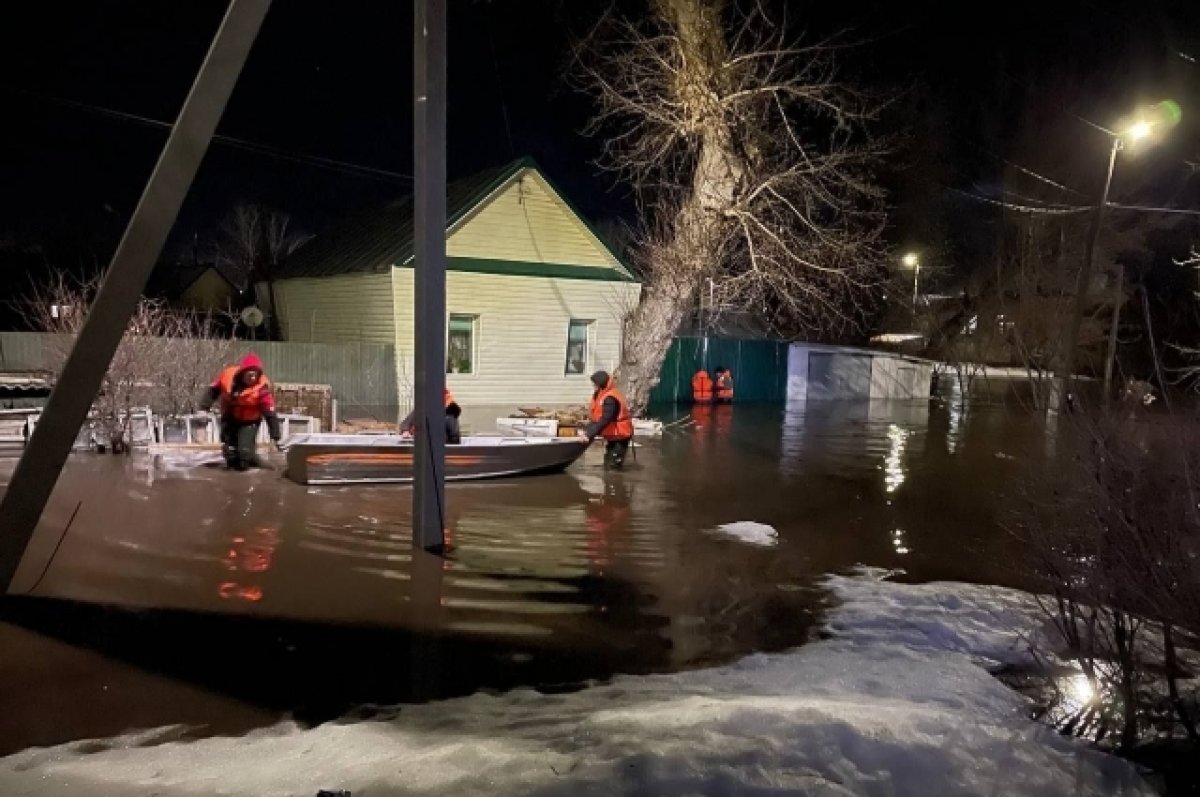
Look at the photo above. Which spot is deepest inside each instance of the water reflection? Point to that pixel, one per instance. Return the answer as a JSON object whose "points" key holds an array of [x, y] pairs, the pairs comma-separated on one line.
{"points": [[893, 463], [587, 560]]}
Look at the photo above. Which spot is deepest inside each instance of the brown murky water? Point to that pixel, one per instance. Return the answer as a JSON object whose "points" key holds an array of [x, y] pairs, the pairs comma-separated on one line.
{"points": [[552, 579]]}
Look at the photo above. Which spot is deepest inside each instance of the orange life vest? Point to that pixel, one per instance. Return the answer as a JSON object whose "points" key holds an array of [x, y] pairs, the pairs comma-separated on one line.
{"points": [[702, 387], [447, 400], [725, 386], [245, 406], [622, 427]]}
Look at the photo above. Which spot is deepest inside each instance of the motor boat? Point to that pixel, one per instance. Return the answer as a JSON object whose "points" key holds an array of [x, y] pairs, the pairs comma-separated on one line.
{"points": [[388, 459]]}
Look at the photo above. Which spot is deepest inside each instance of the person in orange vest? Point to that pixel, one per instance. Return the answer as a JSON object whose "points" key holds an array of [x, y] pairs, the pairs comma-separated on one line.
{"points": [[610, 420], [245, 399], [724, 387], [702, 388], [453, 412]]}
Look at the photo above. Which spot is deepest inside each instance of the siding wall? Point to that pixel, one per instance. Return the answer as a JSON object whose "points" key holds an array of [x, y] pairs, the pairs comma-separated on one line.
{"points": [[528, 222], [354, 308], [521, 340]]}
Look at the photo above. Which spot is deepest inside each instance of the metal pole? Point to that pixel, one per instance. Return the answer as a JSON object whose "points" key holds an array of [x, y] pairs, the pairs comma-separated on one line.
{"points": [[916, 283], [1085, 278], [38, 470], [429, 295], [1112, 333]]}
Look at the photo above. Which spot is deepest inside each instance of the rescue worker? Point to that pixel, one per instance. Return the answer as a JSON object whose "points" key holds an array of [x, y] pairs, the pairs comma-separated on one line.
{"points": [[610, 420], [453, 412], [702, 388], [245, 399], [724, 385]]}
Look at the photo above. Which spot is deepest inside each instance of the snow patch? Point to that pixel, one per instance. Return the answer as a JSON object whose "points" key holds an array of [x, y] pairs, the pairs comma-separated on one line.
{"points": [[896, 702], [749, 532]]}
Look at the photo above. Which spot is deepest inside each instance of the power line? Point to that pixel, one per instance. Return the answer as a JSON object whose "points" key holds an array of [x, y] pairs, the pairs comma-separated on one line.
{"points": [[1031, 209], [260, 148], [1146, 209], [1038, 202]]}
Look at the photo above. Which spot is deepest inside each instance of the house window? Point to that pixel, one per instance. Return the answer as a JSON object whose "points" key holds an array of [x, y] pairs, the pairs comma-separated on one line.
{"points": [[579, 334], [460, 344]]}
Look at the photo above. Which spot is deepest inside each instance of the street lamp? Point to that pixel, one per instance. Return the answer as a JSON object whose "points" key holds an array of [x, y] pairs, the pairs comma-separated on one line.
{"points": [[913, 260], [1147, 123]]}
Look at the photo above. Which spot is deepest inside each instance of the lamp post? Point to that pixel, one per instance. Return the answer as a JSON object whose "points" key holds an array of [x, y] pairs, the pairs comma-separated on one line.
{"points": [[1137, 130], [913, 260]]}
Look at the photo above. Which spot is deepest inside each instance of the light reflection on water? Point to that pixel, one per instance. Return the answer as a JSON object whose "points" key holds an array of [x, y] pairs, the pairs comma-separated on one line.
{"points": [[586, 558]]}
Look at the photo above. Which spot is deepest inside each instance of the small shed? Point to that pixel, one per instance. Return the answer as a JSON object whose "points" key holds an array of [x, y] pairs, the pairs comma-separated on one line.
{"points": [[819, 372]]}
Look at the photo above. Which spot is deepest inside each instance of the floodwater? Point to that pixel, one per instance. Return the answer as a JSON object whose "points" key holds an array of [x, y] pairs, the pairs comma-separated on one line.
{"points": [[186, 594]]}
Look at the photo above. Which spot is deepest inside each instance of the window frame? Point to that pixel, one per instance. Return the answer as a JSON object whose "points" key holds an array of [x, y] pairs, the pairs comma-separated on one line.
{"points": [[473, 318], [589, 326]]}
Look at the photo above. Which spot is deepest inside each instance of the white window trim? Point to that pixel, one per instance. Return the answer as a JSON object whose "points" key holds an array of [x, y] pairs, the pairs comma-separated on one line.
{"points": [[476, 332], [589, 359]]}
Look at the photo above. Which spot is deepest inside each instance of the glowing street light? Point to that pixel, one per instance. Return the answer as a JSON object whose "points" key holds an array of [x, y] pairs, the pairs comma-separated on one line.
{"points": [[1138, 131], [913, 260]]}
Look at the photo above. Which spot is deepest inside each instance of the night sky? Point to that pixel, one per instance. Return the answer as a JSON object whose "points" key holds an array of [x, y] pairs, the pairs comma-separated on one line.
{"points": [[334, 80]]}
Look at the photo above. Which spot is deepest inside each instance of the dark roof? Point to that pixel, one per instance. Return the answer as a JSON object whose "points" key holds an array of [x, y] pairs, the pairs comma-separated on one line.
{"points": [[170, 280], [375, 239]]}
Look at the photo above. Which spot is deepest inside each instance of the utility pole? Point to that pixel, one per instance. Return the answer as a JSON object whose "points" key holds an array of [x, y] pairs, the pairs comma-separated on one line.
{"points": [[41, 464], [1112, 332], [1067, 377], [429, 294]]}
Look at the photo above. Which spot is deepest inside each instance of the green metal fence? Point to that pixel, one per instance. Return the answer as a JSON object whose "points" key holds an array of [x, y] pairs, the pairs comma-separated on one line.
{"points": [[759, 368]]}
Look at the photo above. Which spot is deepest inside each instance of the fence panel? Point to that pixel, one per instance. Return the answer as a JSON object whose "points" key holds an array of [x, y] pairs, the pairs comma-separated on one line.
{"points": [[362, 375], [759, 368]]}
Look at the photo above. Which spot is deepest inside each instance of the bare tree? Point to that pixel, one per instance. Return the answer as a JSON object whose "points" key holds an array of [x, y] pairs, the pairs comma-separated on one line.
{"points": [[1113, 525], [253, 241], [752, 163], [164, 359]]}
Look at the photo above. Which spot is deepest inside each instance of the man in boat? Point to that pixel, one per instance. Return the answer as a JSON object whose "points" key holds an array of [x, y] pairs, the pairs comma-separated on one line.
{"points": [[453, 412], [610, 420], [245, 398], [724, 385]]}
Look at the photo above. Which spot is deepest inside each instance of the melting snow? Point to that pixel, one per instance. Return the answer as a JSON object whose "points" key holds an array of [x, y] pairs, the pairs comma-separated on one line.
{"points": [[896, 702], [750, 532]]}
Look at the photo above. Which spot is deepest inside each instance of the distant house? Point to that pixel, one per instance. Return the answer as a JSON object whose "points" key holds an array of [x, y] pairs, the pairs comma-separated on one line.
{"points": [[535, 298], [197, 286]]}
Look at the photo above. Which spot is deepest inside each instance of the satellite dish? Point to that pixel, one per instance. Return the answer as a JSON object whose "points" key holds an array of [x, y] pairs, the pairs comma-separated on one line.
{"points": [[252, 317]]}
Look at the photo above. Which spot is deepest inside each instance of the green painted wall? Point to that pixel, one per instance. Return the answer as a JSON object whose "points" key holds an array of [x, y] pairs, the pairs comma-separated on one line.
{"points": [[759, 368]]}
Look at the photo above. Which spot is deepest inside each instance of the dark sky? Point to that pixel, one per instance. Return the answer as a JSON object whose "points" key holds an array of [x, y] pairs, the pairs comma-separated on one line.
{"points": [[334, 80]]}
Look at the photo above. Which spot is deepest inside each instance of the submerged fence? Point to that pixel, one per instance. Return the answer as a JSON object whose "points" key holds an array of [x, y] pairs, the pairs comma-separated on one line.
{"points": [[759, 368], [362, 375]]}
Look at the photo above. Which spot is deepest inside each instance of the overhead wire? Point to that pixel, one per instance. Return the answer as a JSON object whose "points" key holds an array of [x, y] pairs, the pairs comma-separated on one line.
{"points": [[1031, 209], [257, 147]]}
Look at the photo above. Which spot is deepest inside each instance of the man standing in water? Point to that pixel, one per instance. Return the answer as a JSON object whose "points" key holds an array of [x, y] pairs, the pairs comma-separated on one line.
{"points": [[610, 420], [246, 401]]}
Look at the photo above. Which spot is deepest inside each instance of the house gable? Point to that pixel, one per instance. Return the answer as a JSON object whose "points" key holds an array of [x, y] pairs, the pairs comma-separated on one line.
{"points": [[526, 221], [506, 220]]}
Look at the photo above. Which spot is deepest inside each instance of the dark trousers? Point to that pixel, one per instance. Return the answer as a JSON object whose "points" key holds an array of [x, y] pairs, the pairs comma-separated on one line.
{"points": [[239, 444], [614, 453]]}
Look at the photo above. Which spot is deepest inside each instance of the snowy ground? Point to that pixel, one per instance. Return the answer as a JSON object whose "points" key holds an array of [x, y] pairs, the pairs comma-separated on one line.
{"points": [[897, 702]]}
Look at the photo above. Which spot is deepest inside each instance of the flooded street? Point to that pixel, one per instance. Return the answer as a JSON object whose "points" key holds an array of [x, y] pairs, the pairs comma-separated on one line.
{"points": [[552, 580]]}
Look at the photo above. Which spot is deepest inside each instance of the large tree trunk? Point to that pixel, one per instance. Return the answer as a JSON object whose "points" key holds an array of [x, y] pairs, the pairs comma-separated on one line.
{"points": [[648, 335], [691, 248]]}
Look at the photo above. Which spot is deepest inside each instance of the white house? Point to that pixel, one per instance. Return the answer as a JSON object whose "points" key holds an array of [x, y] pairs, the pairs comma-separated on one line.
{"points": [[535, 298]]}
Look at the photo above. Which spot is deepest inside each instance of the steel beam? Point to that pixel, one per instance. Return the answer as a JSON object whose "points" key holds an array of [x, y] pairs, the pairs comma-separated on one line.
{"points": [[429, 295], [37, 472]]}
